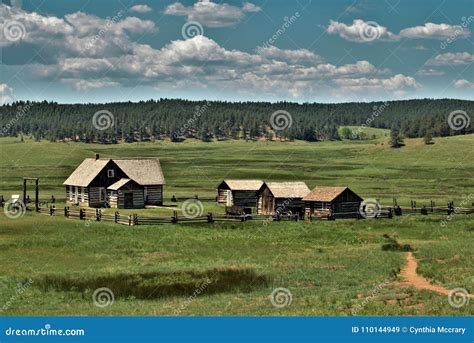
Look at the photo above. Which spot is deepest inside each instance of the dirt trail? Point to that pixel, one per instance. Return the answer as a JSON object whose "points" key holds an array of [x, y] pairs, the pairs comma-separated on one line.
{"points": [[411, 278]]}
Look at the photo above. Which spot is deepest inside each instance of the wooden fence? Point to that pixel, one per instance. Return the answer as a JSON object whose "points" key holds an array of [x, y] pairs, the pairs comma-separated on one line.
{"points": [[135, 219]]}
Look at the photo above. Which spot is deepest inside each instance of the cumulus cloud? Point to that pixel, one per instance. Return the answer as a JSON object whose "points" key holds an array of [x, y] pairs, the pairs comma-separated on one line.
{"points": [[6, 94], [435, 31], [429, 72], [463, 84], [293, 56], [211, 14], [89, 52], [141, 9], [452, 58], [361, 31]]}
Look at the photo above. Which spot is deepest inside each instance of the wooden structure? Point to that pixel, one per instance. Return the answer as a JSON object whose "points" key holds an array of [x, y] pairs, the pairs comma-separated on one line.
{"points": [[281, 198], [332, 202], [126, 193], [241, 193], [25, 181], [88, 184]]}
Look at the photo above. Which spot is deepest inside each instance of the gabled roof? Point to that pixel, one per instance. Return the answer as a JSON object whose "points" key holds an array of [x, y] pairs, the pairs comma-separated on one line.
{"points": [[119, 184], [243, 185], [86, 172], [288, 189], [325, 194], [145, 171]]}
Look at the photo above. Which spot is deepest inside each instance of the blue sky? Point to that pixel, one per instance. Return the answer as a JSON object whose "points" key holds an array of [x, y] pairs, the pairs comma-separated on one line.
{"points": [[324, 51]]}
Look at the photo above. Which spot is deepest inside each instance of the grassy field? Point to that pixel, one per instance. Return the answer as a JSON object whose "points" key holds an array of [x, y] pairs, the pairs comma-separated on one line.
{"points": [[52, 266]]}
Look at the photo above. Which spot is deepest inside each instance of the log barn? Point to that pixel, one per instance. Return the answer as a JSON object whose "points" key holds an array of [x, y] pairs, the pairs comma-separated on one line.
{"points": [[338, 202], [119, 183], [281, 198], [241, 193]]}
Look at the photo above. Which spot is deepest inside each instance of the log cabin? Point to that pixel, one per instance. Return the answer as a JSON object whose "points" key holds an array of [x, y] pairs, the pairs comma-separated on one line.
{"points": [[334, 202], [117, 183], [281, 198], [241, 193]]}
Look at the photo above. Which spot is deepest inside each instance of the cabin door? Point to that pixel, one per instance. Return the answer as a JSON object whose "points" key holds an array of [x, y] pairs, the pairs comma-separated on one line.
{"points": [[128, 200], [230, 200]]}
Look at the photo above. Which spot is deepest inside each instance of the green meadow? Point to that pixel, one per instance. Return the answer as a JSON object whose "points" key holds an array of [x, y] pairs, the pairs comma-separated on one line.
{"points": [[53, 265]]}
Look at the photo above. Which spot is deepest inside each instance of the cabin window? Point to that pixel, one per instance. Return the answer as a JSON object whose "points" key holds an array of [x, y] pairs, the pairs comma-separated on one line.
{"points": [[110, 173]]}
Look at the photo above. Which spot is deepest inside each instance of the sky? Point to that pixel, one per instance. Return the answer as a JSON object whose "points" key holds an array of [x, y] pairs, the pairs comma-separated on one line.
{"points": [[79, 51]]}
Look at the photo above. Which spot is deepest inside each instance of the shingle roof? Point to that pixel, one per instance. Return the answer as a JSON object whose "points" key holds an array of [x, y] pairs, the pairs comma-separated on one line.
{"points": [[145, 171], [288, 189], [86, 172], [119, 184], [244, 185], [324, 193]]}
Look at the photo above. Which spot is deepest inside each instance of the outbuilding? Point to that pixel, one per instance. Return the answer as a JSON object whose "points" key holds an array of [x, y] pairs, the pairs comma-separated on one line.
{"points": [[281, 198], [241, 193], [335, 202]]}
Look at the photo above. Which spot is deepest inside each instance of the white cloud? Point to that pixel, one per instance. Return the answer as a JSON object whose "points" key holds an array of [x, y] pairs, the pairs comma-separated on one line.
{"points": [[141, 9], [211, 14], [293, 56], [6, 94], [435, 31], [89, 52], [249, 7], [361, 31], [430, 72], [450, 58], [463, 84]]}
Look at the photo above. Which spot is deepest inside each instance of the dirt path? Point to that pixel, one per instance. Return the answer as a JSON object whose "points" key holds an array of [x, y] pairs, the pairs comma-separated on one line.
{"points": [[411, 278]]}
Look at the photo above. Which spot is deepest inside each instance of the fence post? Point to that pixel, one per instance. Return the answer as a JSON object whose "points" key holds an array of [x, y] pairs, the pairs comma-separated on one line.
{"points": [[82, 214], [174, 218], [209, 218], [51, 210], [116, 217], [129, 220], [98, 214], [66, 211], [135, 219]]}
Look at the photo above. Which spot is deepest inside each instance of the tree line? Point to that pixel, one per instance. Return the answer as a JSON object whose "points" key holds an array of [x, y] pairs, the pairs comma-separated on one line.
{"points": [[178, 119]]}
